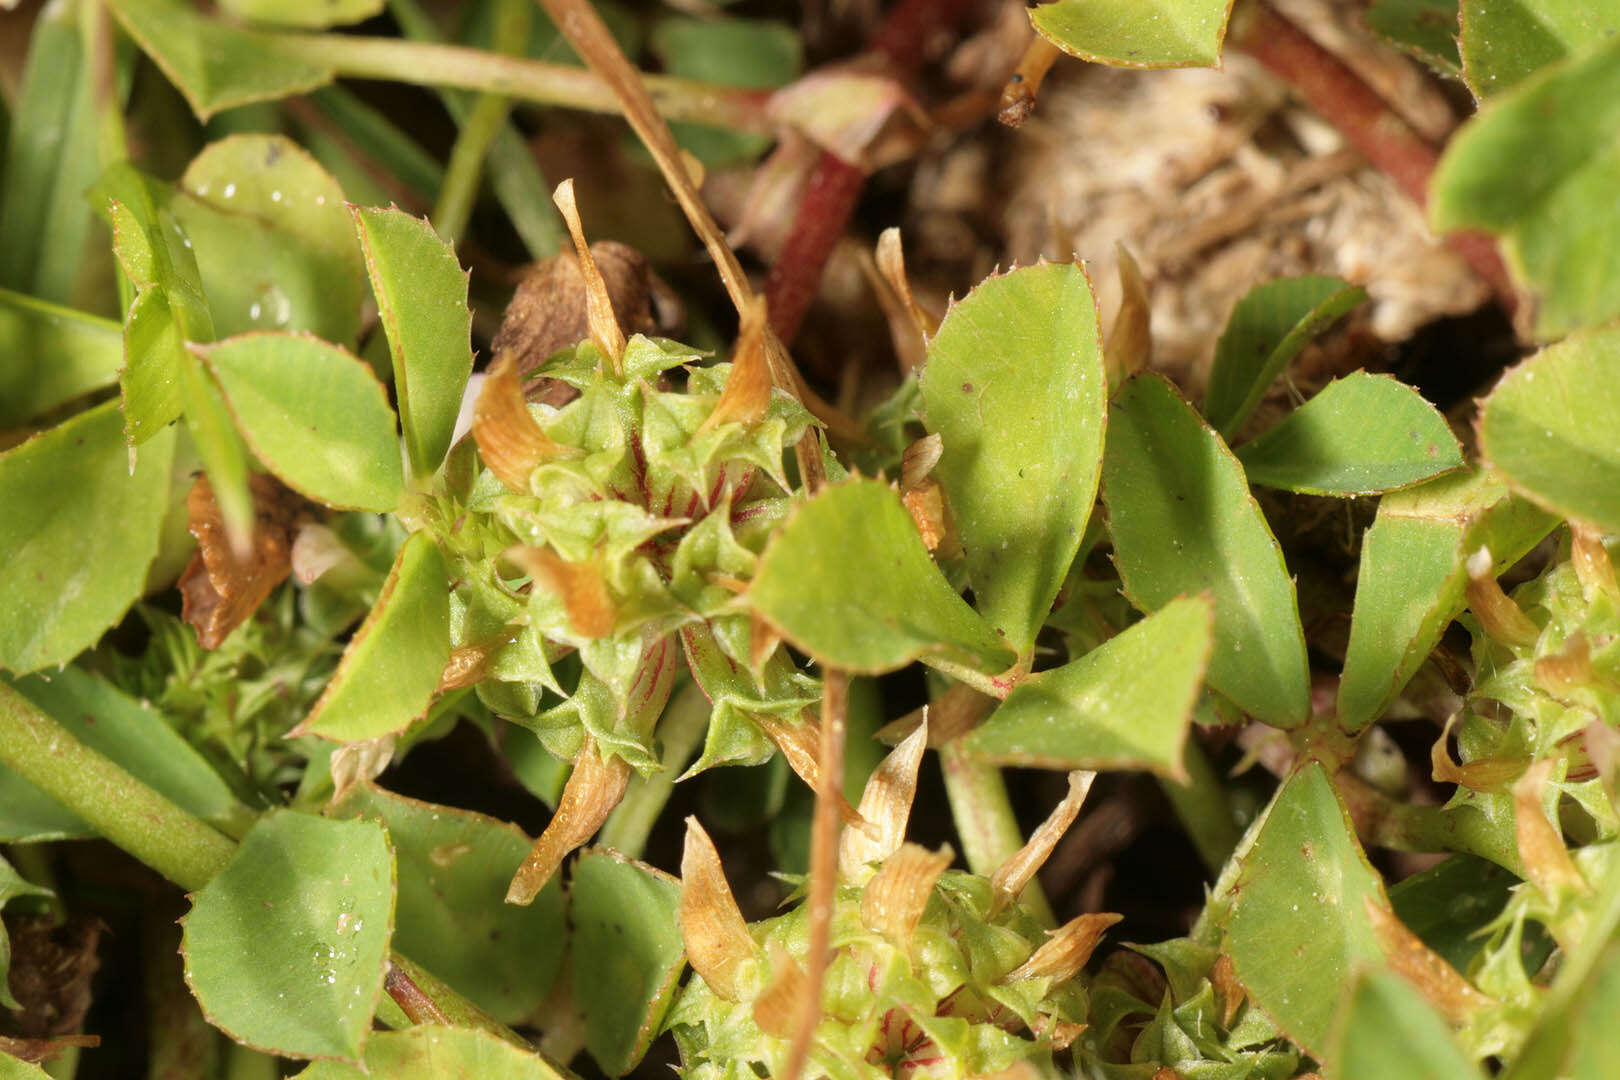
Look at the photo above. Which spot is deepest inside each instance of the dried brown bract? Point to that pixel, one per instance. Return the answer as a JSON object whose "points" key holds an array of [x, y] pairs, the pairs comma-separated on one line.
{"points": [[1011, 876], [896, 897], [548, 312], [582, 586], [1066, 951], [218, 591], [510, 440], [594, 788], [712, 926]]}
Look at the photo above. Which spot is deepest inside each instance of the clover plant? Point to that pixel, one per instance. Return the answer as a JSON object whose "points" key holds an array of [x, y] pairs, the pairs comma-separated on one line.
{"points": [[274, 528]]}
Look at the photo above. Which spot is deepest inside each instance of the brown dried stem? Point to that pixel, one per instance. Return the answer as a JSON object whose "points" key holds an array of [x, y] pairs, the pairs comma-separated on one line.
{"points": [[823, 864]]}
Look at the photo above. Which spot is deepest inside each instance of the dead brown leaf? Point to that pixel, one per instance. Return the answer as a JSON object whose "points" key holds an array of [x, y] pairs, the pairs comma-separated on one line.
{"points": [[218, 591]]}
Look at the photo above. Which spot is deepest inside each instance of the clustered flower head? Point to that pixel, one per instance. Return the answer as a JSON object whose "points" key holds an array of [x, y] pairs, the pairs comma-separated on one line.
{"points": [[612, 536], [1538, 747], [933, 972]]}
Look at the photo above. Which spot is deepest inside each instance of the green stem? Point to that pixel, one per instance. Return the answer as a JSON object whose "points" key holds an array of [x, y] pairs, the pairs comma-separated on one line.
{"points": [[1401, 826], [178, 845], [518, 183], [681, 730], [1203, 808], [426, 64], [985, 822], [117, 805]]}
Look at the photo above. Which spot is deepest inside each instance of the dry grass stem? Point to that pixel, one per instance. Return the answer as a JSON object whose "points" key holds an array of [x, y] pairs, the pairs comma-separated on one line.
{"points": [[824, 862]]}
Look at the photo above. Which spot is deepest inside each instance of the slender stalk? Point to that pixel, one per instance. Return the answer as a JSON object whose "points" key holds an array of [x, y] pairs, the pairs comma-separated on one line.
{"points": [[1366, 121], [823, 863], [428, 64], [121, 808], [681, 729], [513, 173], [985, 821], [1203, 808], [164, 836], [479, 126]]}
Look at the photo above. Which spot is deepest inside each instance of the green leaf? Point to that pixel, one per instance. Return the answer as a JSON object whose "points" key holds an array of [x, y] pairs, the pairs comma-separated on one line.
{"points": [[421, 295], [1390, 1032], [1412, 576], [303, 14], [1538, 166], [436, 1052], [848, 581], [1549, 428], [1360, 435], [1505, 41], [1448, 905], [135, 737], [1266, 330], [50, 355], [286, 947], [391, 668], [152, 245], [171, 311], [1425, 29], [1297, 930], [66, 576], [316, 415], [1137, 33], [1124, 705], [451, 918], [28, 815], [1183, 521], [213, 64], [12, 885], [1014, 387], [626, 954], [16, 1069], [273, 243], [53, 156]]}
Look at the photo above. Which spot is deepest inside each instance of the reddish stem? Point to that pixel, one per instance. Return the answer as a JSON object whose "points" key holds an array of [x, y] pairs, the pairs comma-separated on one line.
{"points": [[835, 184], [1365, 120], [412, 1001]]}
